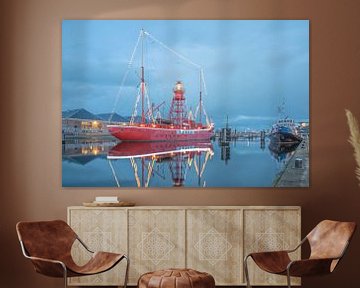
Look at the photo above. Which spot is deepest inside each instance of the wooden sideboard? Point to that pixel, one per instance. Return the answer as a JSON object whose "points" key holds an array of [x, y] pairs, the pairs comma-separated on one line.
{"points": [[212, 239]]}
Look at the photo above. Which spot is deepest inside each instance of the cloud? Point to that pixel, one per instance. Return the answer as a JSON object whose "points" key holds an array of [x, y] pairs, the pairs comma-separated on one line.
{"points": [[97, 98], [248, 65]]}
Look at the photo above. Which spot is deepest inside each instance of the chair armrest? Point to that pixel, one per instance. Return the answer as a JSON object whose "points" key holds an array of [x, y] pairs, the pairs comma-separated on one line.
{"points": [[271, 261], [46, 260], [49, 267], [309, 267], [280, 251], [268, 253], [298, 246], [84, 245]]}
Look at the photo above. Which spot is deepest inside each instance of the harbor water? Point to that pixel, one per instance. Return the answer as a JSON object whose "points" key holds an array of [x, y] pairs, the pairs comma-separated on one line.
{"points": [[240, 163]]}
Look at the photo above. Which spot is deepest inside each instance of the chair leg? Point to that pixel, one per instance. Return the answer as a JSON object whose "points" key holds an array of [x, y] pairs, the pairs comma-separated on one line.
{"points": [[65, 276], [126, 271], [246, 272], [288, 278]]}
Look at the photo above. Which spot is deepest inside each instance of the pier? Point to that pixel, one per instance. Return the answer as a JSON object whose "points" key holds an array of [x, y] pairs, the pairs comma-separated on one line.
{"points": [[296, 171], [233, 135]]}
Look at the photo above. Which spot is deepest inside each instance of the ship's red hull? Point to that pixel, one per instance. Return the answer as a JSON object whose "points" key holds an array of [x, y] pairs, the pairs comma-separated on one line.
{"points": [[150, 133]]}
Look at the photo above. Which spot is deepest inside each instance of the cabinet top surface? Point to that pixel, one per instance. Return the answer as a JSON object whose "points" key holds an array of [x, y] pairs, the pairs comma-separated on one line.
{"points": [[192, 207]]}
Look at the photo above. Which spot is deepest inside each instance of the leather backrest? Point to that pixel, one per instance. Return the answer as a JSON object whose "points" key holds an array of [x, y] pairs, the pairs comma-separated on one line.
{"points": [[47, 239], [329, 238]]}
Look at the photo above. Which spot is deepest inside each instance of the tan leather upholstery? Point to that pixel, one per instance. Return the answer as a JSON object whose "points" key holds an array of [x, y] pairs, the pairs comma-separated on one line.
{"points": [[52, 240], [176, 278], [272, 262], [328, 242], [329, 238]]}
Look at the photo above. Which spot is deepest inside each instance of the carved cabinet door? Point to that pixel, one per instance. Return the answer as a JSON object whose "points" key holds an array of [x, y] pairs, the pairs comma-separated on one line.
{"points": [[101, 230], [214, 244], [271, 230], [156, 240]]}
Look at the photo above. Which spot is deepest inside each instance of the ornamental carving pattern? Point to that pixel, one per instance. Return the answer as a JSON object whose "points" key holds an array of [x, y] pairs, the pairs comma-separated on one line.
{"points": [[213, 246], [155, 246]]}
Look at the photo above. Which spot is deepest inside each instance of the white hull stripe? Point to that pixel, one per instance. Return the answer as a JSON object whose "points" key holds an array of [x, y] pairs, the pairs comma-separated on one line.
{"points": [[161, 153]]}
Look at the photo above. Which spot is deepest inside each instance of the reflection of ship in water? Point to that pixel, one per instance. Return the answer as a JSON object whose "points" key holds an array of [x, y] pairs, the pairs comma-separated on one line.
{"points": [[152, 158], [224, 142], [282, 151], [225, 153], [83, 151]]}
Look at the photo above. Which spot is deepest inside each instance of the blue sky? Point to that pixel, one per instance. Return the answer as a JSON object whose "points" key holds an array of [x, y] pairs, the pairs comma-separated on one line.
{"points": [[250, 66]]}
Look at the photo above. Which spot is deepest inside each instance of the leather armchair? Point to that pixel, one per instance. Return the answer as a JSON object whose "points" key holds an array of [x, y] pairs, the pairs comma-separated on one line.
{"points": [[48, 245], [328, 242]]}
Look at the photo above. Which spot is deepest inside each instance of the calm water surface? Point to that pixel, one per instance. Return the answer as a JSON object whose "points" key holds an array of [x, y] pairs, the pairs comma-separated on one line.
{"points": [[109, 163]]}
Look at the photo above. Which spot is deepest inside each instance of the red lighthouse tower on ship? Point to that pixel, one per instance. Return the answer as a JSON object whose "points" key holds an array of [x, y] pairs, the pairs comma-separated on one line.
{"points": [[178, 113]]}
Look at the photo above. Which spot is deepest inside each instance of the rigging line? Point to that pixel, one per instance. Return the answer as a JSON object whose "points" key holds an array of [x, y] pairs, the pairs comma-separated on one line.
{"points": [[206, 116], [196, 168], [190, 160], [158, 115], [190, 116], [172, 50], [201, 104], [203, 80], [206, 160], [156, 171], [151, 116], [196, 111], [134, 114], [150, 169], [186, 168], [134, 165], [208, 122], [125, 77], [114, 174]]}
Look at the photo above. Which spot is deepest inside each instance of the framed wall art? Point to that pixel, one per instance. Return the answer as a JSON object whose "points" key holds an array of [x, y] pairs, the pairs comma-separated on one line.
{"points": [[185, 103]]}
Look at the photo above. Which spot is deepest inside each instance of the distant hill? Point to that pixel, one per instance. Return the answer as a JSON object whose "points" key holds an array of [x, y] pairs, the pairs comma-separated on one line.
{"points": [[117, 118], [79, 114], [112, 117], [82, 113], [137, 118]]}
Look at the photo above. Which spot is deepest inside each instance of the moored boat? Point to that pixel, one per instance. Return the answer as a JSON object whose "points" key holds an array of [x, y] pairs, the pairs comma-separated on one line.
{"points": [[284, 131], [180, 125]]}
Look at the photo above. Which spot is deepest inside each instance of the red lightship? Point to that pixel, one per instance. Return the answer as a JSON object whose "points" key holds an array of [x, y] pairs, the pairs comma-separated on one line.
{"points": [[180, 125]]}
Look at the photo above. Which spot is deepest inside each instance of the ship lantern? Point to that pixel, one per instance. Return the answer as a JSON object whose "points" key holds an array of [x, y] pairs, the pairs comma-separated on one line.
{"points": [[179, 91]]}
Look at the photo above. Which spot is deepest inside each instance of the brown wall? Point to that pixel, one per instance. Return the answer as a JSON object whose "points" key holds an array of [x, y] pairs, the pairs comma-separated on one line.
{"points": [[30, 106]]}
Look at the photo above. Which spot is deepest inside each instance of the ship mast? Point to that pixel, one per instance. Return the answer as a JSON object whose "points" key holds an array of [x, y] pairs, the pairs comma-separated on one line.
{"points": [[142, 78], [200, 99]]}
